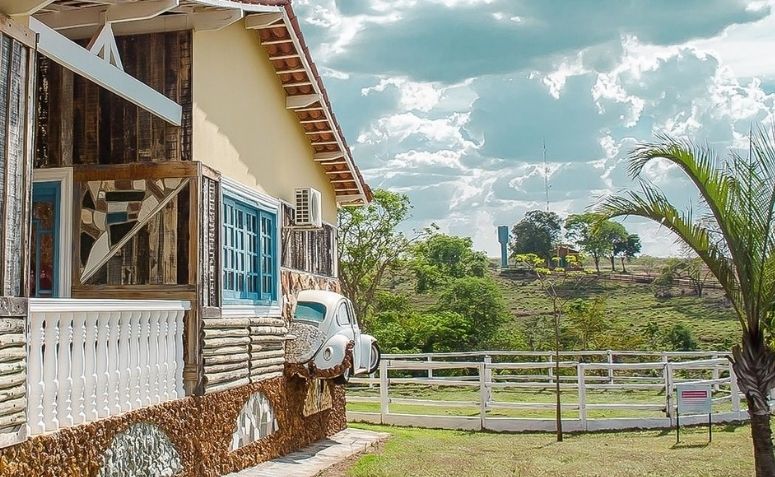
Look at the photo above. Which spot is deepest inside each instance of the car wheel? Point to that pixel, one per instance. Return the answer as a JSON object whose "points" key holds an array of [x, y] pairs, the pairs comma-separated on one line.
{"points": [[343, 378], [376, 356]]}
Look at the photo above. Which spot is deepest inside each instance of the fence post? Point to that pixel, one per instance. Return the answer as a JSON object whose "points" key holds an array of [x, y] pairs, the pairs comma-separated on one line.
{"points": [[734, 389], [488, 377], [430, 371], [384, 400], [667, 372], [551, 369], [582, 395], [483, 397], [610, 355], [715, 374]]}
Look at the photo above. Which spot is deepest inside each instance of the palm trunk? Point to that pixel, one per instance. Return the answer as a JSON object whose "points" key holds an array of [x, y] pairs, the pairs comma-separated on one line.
{"points": [[762, 440], [753, 364], [624, 270]]}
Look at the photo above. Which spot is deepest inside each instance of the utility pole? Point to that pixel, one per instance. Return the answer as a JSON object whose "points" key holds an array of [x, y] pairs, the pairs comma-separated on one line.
{"points": [[546, 178]]}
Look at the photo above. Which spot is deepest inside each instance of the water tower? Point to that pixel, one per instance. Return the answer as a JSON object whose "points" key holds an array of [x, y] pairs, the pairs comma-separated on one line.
{"points": [[503, 238]]}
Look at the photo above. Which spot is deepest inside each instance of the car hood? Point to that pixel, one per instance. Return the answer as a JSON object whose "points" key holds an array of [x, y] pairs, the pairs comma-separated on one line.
{"points": [[308, 339]]}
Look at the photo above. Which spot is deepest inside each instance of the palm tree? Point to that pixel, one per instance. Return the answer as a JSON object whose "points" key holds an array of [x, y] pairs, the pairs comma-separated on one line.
{"points": [[735, 239]]}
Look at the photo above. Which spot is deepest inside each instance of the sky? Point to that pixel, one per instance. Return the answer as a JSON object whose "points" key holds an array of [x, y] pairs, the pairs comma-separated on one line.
{"points": [[450, 101]]}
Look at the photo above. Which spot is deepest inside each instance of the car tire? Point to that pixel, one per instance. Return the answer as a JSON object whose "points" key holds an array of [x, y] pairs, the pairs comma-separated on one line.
{"points": [[375, 351], [343, 378]]}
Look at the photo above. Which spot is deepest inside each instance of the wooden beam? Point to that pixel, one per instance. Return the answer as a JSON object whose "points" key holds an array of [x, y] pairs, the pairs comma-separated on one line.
{"points": [[277, 42], [265, 20], [283, 57], [301, 101], [23, 7], [349, 198], [81, 61], [299, 83], [99, 15], [324, 131]]}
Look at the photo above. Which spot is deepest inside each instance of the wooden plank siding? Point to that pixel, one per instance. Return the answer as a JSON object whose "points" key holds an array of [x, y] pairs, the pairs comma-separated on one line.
{"points": [[81, 123], [312, 251], [17, 102]]}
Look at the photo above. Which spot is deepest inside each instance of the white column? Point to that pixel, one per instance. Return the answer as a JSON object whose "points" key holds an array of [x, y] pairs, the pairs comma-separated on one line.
{"points": [[177, 369], [155, 340], [134, 360], [90, 367], [50, 383], [64, 400], [35, 414], [167, 356], [715, 373], [145, 367], [123, 361], [77, 372], [103, 376], [114, 391]]}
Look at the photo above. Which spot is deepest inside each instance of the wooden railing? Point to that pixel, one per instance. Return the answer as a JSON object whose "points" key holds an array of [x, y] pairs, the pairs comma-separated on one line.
{"points": [[90, 359], [480, 382]]}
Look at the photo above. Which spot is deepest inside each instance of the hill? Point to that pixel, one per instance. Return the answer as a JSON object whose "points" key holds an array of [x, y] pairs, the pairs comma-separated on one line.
{"points": [[629, 307]]}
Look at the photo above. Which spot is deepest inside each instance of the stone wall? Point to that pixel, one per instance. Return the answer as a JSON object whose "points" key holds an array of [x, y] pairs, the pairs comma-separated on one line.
{"points": [[199, 428], [294, 281]]}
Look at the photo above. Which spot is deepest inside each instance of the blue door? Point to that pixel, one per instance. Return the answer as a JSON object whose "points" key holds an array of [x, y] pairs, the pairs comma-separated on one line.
{"points": [[44, 263]]}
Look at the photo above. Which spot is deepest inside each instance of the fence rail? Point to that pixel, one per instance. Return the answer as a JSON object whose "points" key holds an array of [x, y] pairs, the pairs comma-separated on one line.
{"points": [[90, 359], [409, 381]]}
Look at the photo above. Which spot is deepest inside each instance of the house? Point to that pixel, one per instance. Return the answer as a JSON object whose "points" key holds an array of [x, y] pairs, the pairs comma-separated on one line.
{"points": [[562, 252], [170, 173]]}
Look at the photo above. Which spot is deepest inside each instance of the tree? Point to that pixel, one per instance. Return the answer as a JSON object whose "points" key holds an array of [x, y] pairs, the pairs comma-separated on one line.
{"points": [[735, 239], [479, 300], [594, 235], [556, 284], [537, 233], [680, 338], [627, 249], [440, 257], [369, 245], [691, 268], [588, 321]]}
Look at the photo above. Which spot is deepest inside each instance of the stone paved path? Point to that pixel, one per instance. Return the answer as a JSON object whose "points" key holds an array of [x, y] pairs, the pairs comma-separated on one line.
{"points": [[317, 457]]}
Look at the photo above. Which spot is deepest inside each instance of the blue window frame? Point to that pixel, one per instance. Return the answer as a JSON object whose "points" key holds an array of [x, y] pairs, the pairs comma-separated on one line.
{"points": [[249, 253]]}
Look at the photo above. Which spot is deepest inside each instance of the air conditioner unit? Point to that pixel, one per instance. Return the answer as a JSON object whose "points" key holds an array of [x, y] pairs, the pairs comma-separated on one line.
{"points": [[309, 205]]}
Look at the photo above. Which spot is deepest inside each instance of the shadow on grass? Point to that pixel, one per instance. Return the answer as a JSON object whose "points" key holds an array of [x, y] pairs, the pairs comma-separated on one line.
{"points": [[690, 446]]}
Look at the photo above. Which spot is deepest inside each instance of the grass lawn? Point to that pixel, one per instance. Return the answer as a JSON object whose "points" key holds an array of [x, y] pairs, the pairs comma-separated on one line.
{"points": [[437, 453]]}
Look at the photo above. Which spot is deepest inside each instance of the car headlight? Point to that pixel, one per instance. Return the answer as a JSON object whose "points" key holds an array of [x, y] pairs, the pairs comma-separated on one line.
{"points": [[327, 353]]}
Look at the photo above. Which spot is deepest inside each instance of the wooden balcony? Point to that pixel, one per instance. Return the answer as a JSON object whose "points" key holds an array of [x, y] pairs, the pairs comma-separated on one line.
{"points": [[91, 359]]}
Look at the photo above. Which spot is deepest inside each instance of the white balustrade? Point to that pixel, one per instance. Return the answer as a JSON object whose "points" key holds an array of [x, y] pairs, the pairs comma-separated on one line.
{"points": [[90, 359]]}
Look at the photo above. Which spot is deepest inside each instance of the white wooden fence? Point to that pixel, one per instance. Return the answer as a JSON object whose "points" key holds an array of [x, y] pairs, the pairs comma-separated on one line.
{"points": [[90, 359], [585, 372]]}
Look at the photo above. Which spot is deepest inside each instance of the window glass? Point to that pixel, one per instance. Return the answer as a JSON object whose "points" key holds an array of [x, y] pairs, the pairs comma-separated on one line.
{"points": [[342, 316], [249, 262], [310, 311]]}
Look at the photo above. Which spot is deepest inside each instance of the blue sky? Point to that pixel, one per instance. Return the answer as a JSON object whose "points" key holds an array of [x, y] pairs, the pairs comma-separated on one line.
{"points": [[449, 101]]}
